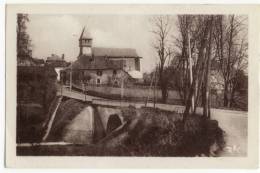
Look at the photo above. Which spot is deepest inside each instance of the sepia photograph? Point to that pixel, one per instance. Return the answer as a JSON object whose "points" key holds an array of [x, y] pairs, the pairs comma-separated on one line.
{"points": [[132, 85]]}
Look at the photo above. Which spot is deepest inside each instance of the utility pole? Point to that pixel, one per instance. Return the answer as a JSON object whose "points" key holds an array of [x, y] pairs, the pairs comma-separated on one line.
{"points": [[85, 94], [122, 88], [154, 88], [61, 78], [190, 70], [70, 76], [150, 89]]}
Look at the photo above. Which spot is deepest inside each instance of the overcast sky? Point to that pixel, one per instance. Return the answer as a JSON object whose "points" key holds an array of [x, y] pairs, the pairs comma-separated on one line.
{"points": [[60, 33]]}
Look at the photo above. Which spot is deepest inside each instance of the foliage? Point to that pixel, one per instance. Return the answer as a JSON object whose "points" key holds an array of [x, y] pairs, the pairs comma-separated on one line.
{"points": [[23, 40], [239, 95], [160, 133], [35, 86]]}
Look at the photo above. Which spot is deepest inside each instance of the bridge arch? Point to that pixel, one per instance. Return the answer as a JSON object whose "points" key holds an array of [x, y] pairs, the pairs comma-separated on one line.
{"points": [[114, 121]]}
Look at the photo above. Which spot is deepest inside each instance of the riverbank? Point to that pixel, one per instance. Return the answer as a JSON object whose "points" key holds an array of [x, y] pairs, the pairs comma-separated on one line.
{"points": [[143, 132]]}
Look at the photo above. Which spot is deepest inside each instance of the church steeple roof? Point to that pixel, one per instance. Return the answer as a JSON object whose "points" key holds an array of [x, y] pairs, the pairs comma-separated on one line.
{"points": [[85, 34]]}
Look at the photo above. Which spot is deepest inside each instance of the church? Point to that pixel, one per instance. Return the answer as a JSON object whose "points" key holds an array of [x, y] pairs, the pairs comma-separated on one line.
{"points": [[104, 66]]}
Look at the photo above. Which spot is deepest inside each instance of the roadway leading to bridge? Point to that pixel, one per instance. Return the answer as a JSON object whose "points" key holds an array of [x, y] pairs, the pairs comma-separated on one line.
{"points": [[234, 123]]}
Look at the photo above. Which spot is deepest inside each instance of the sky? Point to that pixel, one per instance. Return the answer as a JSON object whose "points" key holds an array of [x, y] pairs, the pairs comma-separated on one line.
{"points": [[59, 34]]}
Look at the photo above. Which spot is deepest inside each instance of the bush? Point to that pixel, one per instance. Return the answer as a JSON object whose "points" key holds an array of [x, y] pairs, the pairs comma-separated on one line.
{"points": [[35, 86], [198, 136], [161, 133]]}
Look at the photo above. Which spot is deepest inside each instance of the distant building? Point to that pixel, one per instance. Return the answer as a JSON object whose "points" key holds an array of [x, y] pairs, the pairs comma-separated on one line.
{"points": [[38, 62], [58, 63], [29, 61], [98, 65]]}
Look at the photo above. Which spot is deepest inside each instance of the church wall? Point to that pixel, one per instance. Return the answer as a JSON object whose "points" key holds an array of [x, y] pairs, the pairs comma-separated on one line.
{"points": [[129, 63], [137, 64]]}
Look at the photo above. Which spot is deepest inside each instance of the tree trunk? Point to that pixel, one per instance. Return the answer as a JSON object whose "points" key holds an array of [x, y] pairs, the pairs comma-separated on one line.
{"points": [[190, 71], [163, 84], [232, 97], [164, 94], [230, 44], [200, 86], [225, 94], [208, 26], [206, 106]]}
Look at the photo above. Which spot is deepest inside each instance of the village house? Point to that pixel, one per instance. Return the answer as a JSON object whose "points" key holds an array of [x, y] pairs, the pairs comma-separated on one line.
{"points": [[38, 62], [57, 62], [103, 66]]}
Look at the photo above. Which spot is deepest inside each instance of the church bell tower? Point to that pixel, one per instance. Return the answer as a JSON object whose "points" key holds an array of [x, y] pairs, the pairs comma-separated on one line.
{"points": [[85, 43]]}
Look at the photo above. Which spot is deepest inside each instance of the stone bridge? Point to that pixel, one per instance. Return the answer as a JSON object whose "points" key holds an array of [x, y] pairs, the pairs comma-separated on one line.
{"points": [[90, 125], [105, 115]]}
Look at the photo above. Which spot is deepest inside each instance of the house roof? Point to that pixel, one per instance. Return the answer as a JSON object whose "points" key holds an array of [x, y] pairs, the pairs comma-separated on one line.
{"points": [[54, 57], [135, 74], [36, 70], [114, 52], [38, 61], [90, 63]]}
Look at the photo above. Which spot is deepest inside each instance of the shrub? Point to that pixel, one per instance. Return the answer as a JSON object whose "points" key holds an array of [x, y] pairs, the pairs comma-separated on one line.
{"points": [[35, 86], [161, 133]]}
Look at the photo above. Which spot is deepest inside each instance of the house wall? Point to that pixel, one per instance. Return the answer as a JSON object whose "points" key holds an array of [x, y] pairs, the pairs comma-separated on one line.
{"points": [[137, 64], [57, 70], [130, 63], [107, 76], [217, 81], [86, 51]]}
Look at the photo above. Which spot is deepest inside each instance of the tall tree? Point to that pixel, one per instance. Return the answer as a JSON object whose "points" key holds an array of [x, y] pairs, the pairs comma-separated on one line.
{"points": [[199, 70], [206, 92], [23, 40], [187, 44], [161, 30], [182, 76], [231, 49]]}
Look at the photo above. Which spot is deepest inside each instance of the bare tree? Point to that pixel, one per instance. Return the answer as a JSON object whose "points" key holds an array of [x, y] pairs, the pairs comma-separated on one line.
{"points": [[161, 30], [181, 54], [187, 45], [190, 46], [215, 38], [206, 92], [231, 49], [199, 71]]}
